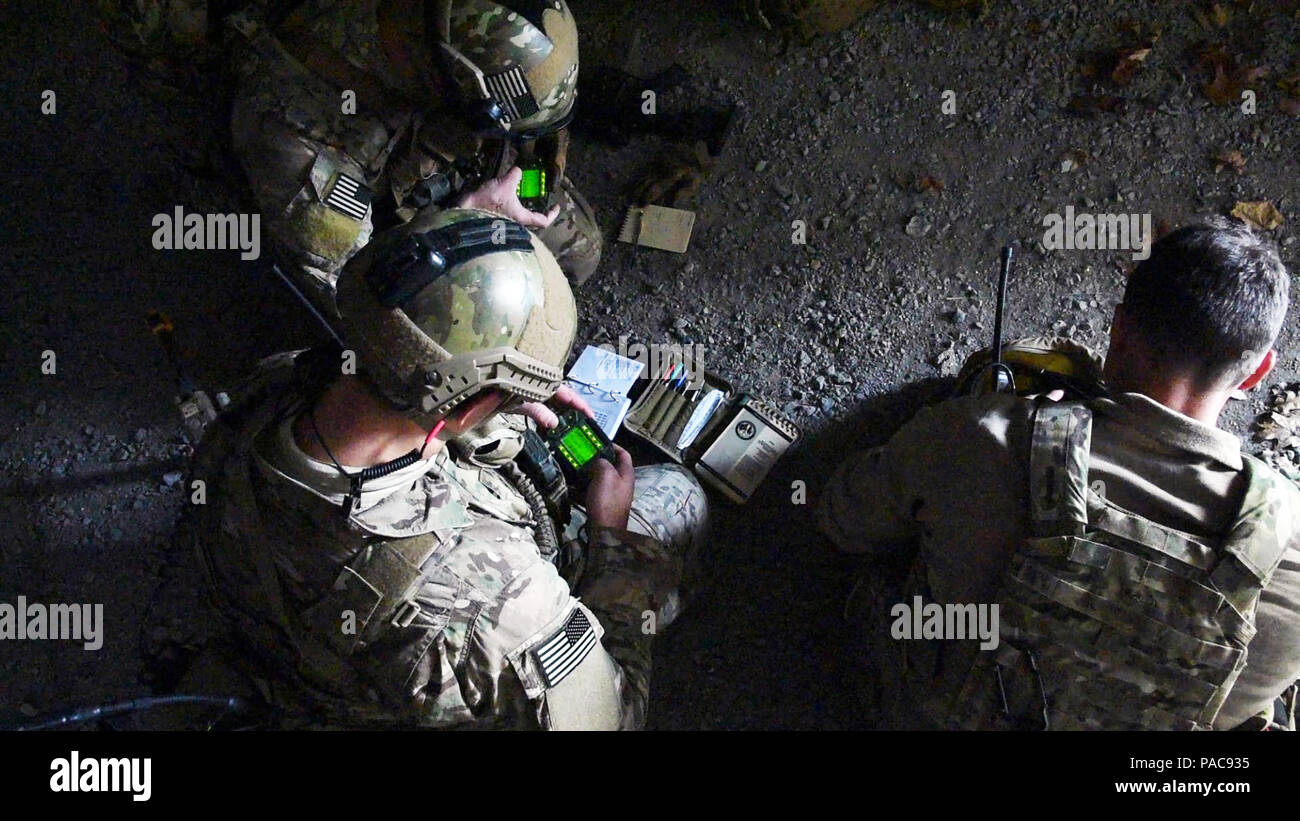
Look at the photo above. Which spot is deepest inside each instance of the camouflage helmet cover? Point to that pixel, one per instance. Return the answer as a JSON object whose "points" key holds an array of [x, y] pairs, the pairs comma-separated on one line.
{"points": [[503, 319], [521, 53]]}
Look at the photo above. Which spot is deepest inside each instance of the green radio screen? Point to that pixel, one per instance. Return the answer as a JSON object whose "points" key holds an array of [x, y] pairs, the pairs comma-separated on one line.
{"points": [[579, 447], [532, 184]]}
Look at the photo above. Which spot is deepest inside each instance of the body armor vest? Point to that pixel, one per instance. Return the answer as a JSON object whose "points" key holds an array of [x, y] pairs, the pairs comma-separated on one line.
{"points": [[1109, 620]]}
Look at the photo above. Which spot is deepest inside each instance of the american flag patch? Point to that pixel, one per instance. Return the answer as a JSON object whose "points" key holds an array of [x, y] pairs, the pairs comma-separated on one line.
{"points": [[560, 654], [510, 89], [350, 197]]}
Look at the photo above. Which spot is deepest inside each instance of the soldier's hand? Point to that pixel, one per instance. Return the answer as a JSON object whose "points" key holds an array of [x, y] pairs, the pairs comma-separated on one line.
{"points": [[501, 196], [565, 397], [609, 496]]}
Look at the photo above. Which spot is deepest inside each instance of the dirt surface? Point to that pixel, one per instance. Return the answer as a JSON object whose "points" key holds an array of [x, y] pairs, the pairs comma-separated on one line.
{"points": [[905, 208]]}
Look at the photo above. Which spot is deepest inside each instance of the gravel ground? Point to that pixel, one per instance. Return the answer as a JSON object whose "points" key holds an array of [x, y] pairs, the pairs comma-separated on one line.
{"points": [[905, 207]]}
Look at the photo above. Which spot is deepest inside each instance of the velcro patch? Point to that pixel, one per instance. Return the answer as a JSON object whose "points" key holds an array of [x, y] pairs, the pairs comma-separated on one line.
{"points": [[350, 197], [561, 653], [510, 89]]}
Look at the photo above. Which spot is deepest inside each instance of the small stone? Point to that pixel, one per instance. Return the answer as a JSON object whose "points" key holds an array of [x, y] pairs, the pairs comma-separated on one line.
{"points": [[172, 477], [41, 408], [760, 166], [141, 434]]}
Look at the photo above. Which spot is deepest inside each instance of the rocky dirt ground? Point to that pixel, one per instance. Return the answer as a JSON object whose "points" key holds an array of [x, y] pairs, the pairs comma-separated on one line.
{"points": [[906, 207]]}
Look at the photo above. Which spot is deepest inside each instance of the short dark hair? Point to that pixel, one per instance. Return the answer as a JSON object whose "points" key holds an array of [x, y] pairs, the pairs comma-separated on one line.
{"points": [[1211, 299]]}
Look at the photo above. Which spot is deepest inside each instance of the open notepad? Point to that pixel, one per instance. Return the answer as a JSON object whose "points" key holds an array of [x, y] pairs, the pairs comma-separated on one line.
{"points": [[603, 379]]}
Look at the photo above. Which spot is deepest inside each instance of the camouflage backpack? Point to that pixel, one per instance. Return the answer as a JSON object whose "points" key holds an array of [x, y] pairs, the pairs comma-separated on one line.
{"points": [[1111, 621]]}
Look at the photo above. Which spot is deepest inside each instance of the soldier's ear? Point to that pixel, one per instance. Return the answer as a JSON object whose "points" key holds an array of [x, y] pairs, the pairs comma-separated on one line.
{"points": [[475, 410], [1265, 365]]}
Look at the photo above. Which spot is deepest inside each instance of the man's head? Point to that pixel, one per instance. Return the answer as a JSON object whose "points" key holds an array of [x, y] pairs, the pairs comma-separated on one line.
{"points": [[514, 62], [456, 314], [1202, 311]]}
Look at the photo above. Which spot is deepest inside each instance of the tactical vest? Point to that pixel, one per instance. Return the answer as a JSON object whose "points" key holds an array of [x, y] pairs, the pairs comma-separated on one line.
{"points": [[317, 676], [1109, 620]]}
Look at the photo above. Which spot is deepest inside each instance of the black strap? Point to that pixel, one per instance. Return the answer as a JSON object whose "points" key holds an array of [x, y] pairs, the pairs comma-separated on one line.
{"points": [[422, 258]]}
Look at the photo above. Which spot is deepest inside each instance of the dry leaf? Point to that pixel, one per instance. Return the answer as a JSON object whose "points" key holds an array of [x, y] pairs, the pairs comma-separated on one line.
{"points": [[1222, 91], [929, 184], [1261, 216], [1127, 62], [1220, 15], [1074, 158], [1290, 105], [1229, 159], [1229, 83]]}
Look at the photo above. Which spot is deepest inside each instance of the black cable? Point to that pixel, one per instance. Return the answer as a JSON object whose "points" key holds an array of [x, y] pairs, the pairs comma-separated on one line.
{"points": [[305, 301], [356, 480], [1003, 276], [547, 539], [232, 704]]}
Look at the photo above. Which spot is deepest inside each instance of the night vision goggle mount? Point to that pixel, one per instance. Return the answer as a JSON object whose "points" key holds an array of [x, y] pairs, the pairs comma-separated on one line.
{"points": [[421, 258]]}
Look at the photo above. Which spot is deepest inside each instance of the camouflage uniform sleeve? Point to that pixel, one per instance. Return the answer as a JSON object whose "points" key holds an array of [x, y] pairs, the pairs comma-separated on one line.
{"points": [[627, 579], [964, 457], [865, 505]]}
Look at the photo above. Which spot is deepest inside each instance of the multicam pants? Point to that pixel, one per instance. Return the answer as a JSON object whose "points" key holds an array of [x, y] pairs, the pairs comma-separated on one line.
{"points": [[669, 505]]}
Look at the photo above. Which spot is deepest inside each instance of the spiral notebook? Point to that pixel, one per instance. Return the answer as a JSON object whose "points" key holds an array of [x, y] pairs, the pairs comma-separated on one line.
{"points": [[654, 226], [603, 379]]}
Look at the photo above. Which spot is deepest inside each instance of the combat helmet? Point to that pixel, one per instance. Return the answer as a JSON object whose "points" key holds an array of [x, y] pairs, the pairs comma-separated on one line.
{"points": [[514, 62], [455, 303]]}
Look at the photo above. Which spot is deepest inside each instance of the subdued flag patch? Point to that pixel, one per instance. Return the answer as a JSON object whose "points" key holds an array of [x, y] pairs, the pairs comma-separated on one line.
{"points": [[510, 88], [560, 654], [349, 196]]}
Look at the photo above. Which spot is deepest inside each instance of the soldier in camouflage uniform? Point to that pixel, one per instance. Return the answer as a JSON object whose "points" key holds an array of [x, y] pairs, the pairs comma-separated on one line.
{"points": [[352, 116], [391, 577], [1147, 573]]}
